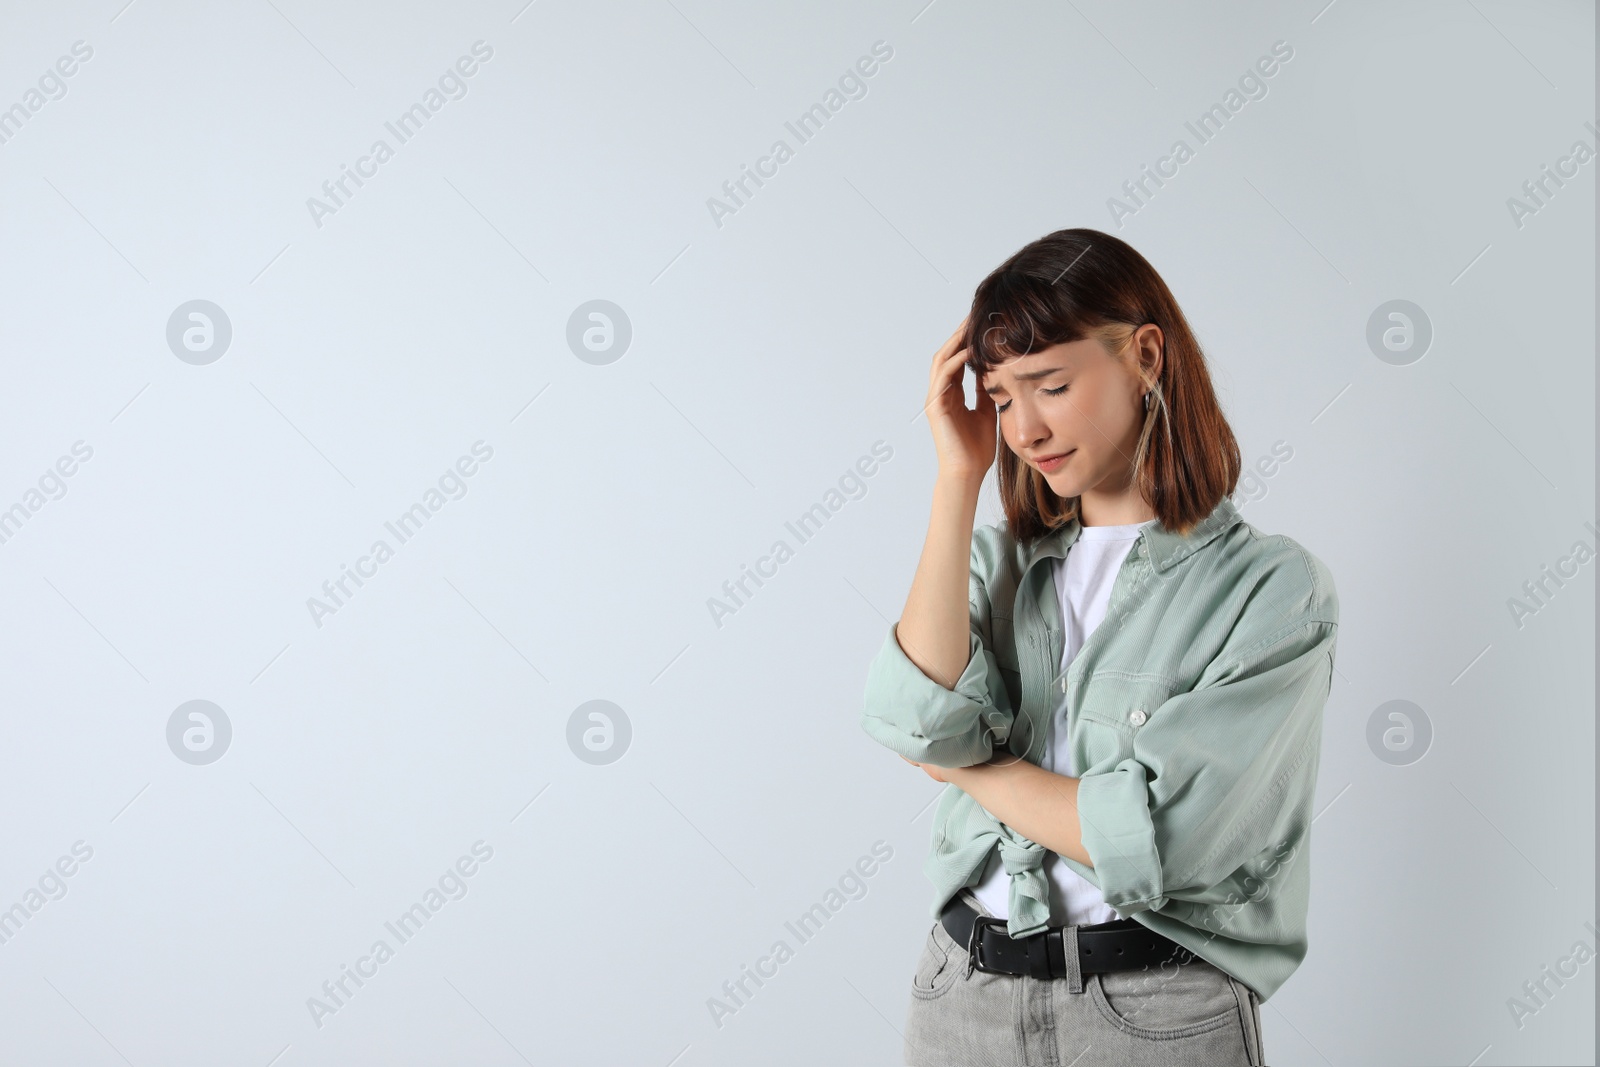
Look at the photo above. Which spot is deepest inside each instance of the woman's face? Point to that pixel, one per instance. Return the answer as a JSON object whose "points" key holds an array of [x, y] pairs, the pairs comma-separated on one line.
{"points": [[1074, 399]]}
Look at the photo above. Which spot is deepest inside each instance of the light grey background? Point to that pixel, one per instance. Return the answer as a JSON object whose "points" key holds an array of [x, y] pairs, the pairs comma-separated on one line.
{"points": [[768, 355]]}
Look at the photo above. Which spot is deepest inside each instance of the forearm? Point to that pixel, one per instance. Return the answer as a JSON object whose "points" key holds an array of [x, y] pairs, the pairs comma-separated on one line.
{"points": [[1038, 804], [933, 629]]}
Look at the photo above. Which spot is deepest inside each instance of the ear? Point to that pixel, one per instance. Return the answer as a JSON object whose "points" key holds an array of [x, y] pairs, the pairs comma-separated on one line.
{"points": [[1150, 343]]}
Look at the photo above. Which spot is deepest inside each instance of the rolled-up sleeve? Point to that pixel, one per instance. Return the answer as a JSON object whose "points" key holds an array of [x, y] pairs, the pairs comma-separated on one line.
{"points": [[910, 713], [1216, 776], [920, 719]]}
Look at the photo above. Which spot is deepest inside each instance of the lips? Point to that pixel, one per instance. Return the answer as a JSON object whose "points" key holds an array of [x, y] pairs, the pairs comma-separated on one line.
{"points": [[1050, 463]]}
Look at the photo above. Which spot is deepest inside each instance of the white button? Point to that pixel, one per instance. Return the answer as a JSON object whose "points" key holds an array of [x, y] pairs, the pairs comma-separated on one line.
{"points": [[1137, 716]]}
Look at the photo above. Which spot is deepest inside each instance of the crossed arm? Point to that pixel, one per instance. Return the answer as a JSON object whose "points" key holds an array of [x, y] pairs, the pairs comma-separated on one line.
{"points": [[934, 634], [1039, 804]]}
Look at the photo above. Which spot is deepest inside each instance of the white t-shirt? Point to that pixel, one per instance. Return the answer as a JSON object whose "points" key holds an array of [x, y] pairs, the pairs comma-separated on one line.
{"points": [[1083, 581]]}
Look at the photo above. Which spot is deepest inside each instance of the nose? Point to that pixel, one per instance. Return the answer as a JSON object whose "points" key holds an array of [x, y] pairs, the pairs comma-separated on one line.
{"points": [[1028, 428]]}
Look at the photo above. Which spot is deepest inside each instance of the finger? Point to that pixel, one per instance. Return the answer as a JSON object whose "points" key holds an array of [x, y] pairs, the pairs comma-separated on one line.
{"points": [[946, 367], [951, 343], [951, 375], [950, 367], [986, 403]]}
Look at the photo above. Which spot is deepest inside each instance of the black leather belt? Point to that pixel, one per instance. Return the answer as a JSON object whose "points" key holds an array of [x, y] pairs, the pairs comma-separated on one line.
{"points": [[1120, 945]]}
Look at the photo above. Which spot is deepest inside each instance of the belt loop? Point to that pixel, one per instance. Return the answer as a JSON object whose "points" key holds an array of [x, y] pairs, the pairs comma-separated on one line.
{"points": [[1069, 945]]}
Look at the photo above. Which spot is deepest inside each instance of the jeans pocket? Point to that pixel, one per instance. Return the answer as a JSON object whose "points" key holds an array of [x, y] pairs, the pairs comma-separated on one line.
{"points": [[1166, 1002], [1252, 1003], [941, 962]]}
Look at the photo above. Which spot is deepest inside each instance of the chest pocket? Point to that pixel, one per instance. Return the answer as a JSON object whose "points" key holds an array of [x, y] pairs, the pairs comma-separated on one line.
{"points": [[1122, 703]]}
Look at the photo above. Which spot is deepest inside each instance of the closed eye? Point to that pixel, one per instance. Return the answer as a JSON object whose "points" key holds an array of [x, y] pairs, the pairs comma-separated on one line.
{"points": [[1047, 392]]}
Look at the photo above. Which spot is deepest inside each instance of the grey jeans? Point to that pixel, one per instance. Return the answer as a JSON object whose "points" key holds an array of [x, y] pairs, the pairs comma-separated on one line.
{"points": [[1189, 1015]]}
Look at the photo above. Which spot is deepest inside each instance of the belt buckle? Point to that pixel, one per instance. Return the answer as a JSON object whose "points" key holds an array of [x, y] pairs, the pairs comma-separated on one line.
{"points": [[975, 940]]}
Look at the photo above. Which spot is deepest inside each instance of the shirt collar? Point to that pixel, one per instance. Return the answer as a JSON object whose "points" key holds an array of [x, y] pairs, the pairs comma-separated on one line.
{"points": [[1163, 547]]}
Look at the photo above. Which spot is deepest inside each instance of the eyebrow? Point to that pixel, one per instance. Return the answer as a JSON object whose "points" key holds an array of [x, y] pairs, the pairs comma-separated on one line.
{"points": [[1028, 377]]}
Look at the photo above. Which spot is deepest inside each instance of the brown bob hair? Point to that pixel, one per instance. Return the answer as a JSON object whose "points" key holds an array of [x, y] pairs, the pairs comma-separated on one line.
{"points": [[1080, 283]]}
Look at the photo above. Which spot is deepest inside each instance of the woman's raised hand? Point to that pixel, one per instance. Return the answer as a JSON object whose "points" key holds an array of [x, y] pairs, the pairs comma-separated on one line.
{"points": [[964, 437]]}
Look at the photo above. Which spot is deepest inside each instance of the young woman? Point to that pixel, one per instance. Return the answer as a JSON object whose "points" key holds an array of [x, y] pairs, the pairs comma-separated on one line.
{"points": [[1124, 682]]}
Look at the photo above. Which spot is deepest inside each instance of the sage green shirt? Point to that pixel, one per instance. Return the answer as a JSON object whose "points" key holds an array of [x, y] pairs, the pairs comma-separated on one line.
{"points": [[1194, 711]]}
